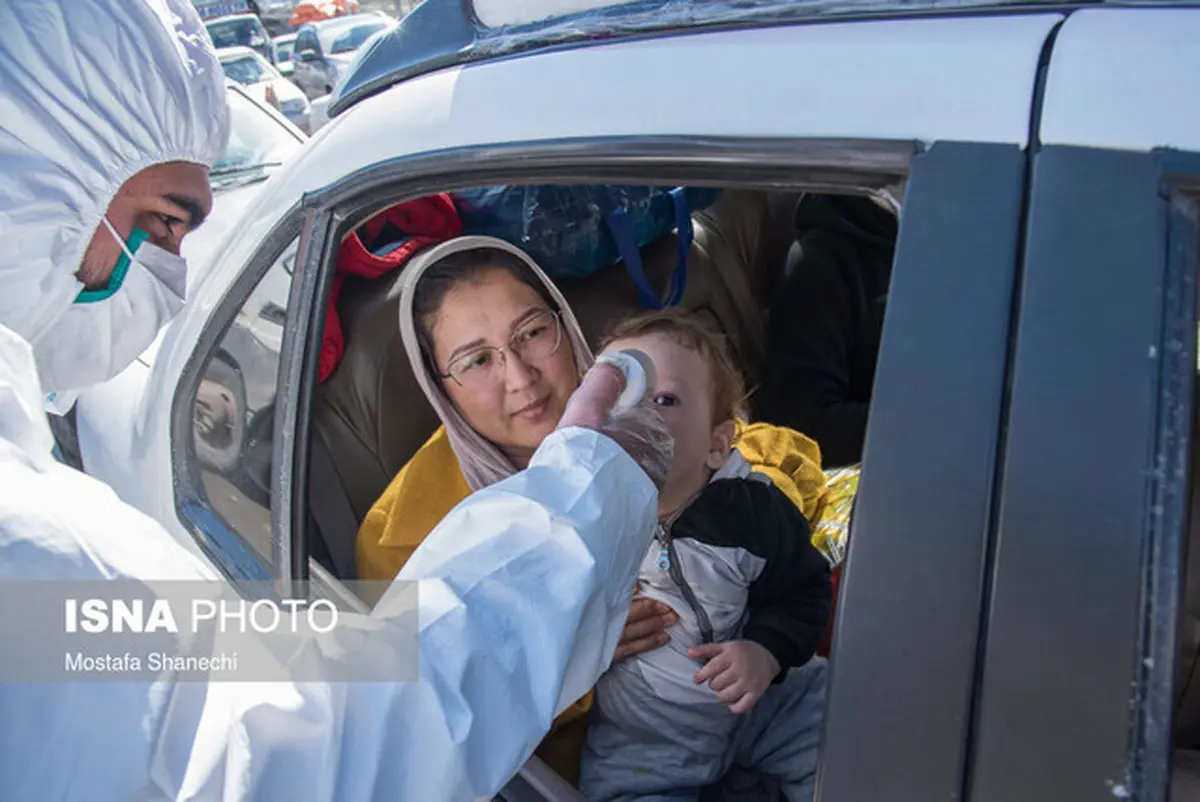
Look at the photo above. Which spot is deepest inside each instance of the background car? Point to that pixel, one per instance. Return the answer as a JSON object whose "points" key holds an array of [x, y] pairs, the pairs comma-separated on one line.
{"points": [[324, 50], [242, 30], [319, 107], [274, 15], [246, 67], [283, 54], [212, 9], [1007, 623]]}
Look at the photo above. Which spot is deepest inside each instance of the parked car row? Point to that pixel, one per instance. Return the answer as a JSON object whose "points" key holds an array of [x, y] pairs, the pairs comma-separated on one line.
{"points": [[293, 68]]}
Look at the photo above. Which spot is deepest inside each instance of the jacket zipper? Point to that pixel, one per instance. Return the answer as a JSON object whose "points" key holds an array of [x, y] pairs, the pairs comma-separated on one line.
{"points": [[676, 573]]}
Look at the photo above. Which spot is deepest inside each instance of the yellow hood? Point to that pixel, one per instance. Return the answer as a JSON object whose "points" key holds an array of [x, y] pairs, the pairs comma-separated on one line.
{"points": [[790, 459]]}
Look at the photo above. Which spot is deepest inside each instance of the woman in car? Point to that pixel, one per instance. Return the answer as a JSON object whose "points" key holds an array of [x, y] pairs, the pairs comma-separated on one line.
{"points": [[497, 351]]}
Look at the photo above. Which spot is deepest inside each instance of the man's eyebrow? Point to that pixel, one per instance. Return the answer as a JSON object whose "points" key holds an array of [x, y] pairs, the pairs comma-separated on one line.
{"points": [[196, 212]]}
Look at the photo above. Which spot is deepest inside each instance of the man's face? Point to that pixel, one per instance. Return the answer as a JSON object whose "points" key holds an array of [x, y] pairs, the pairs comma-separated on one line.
{"points": [[167, 201]]}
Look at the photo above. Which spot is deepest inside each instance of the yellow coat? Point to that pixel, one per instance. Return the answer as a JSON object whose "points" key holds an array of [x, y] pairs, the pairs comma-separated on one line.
{"points": [[431, 485]]}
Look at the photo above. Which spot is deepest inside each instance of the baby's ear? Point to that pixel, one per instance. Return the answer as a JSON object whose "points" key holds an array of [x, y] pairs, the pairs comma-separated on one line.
{"points": [[721, 443]]}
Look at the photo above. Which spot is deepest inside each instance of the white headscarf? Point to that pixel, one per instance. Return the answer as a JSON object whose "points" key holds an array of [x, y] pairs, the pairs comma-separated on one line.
{"points": [[91, 93], [482, 463]]}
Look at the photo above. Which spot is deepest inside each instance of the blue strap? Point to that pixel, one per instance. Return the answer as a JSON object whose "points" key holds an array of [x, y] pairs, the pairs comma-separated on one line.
{"points": [[622, 231], [683, 242]]}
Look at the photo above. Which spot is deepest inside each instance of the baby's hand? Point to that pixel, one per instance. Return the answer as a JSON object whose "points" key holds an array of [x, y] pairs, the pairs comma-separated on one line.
{"points": [[740, 672]]}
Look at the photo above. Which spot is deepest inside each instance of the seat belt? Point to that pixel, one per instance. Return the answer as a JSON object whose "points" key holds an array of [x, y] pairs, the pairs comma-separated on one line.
{"points": [[337, 524]]}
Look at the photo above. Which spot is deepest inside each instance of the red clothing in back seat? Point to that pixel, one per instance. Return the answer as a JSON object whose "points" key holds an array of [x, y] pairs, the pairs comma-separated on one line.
{"points": [[416, 224]]}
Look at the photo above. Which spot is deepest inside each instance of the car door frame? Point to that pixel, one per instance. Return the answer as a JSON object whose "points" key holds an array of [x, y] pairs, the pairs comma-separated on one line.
{"points": [[1095, 477], [1076, 690], [962, 355]]}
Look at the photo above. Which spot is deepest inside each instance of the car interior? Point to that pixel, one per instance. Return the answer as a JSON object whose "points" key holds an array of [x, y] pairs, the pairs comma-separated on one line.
{"points": [[370, 416]]}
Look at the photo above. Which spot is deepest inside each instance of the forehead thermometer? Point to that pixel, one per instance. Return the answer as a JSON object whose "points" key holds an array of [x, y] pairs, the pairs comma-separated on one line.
{"points": [[639, 376]]}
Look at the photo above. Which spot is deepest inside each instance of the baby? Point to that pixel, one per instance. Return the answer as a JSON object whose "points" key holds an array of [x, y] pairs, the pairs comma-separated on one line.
{"points": [[738, 683]]}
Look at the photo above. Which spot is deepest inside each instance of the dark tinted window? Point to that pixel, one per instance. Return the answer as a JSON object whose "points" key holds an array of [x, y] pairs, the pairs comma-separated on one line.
{"points": [[307, 40], [237, 33], [353, 40]]}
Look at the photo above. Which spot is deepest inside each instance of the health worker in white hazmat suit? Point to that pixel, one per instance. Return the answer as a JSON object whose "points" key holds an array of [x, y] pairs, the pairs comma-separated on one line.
{"points": [[111, 111]]}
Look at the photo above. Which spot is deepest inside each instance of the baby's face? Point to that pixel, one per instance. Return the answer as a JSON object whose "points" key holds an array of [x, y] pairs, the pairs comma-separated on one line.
{"points": [[683, 392]]}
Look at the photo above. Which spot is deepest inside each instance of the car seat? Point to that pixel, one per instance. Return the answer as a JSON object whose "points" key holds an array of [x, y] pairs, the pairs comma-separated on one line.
{"points": [[370, 416]]}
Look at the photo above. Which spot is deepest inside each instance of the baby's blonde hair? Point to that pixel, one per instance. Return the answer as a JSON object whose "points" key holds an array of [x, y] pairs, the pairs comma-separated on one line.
{"points": [[693, 333]]}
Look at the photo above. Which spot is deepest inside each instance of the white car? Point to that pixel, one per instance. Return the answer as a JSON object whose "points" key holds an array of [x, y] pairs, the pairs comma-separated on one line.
{"points": [[261, 141], [324, 50], [1006, 623], [241, 30], [248, 68]]}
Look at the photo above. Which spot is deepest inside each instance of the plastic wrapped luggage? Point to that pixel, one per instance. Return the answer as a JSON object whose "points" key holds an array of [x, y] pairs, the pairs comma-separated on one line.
{"points": [[574, 231]]}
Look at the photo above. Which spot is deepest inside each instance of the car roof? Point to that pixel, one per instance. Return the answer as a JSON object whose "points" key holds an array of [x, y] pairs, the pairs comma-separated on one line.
{"points": [[232, 18], [235, 52], [444, 33], [287, 37]]}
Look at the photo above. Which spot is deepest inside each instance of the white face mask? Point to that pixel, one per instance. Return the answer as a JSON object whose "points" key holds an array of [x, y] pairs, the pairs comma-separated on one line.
{"points": [[103, 332]]}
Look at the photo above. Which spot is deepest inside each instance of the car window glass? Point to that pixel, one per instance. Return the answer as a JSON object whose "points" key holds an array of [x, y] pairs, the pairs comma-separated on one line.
{"points": [[246, 70], [233, 411], [244, 33], [353, 39], [330, 34], [307, 40], [257, 141]]}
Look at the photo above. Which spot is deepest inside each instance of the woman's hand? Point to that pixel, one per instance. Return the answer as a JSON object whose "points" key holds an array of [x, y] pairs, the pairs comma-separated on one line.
{"points": [[645, 629]]}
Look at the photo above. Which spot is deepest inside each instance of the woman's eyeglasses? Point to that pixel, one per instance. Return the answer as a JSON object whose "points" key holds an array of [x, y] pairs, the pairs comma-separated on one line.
{"points": [[535, 340]]}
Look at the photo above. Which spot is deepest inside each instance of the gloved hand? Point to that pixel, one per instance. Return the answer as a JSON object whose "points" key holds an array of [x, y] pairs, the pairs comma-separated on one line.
{"points": [[641, 431]]}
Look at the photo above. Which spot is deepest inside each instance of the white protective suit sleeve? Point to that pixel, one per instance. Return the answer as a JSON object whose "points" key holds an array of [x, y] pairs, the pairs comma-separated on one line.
{"points": [[567, 535], [564, 536]]}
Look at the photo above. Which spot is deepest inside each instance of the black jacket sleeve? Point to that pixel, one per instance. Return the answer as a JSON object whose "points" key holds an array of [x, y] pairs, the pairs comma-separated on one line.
{"points": [[790, 599]]}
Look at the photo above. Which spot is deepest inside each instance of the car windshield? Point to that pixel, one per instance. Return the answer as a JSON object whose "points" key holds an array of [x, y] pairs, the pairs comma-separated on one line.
{"points": [[235, 33], [283, 50], [347, 41], [257, 143], [247, 70]]}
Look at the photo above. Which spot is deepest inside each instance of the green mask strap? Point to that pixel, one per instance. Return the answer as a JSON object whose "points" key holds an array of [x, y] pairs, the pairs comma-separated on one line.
{"points": [[128, 248]]}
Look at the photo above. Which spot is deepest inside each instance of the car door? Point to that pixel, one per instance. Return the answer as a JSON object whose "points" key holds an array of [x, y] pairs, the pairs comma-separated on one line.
{"points": [[1078, 682]]}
